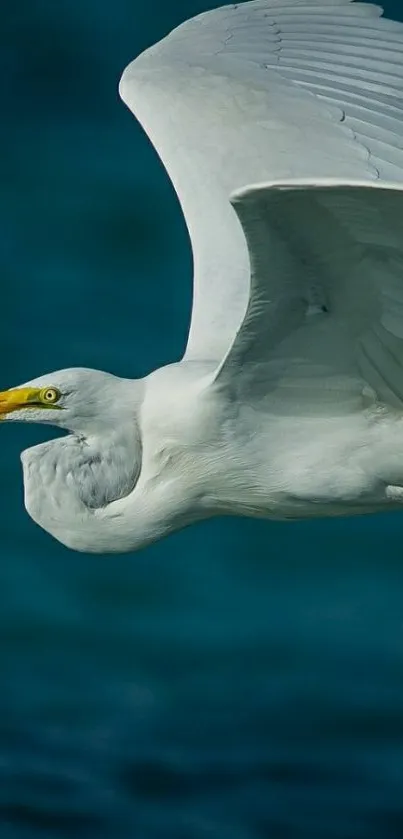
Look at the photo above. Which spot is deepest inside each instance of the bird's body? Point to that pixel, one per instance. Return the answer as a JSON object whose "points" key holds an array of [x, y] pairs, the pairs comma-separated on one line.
{"points": [[203, 454], [281, 126]]}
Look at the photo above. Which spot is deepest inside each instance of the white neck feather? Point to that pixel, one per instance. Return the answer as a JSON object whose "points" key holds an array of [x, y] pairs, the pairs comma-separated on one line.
{"points": [[82, 491]]}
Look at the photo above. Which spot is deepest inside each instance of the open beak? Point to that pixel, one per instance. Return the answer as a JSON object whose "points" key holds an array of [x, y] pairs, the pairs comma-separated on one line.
{"points": [[17, 398]]}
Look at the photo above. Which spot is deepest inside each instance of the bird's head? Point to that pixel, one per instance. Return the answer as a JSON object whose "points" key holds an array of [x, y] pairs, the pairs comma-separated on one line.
{"points": [[85, 489], [77, 399], [107, 487]]}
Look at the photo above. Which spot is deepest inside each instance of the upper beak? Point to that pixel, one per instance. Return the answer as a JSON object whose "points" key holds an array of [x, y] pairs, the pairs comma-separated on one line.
{"points": [[16, 398]]}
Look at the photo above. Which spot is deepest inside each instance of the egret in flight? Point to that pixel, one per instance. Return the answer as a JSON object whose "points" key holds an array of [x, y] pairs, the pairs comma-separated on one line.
{"points": [[280, 123]]}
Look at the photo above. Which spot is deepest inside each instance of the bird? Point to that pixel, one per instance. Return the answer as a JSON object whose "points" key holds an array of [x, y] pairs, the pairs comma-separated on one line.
{"points": [[280, 124]]}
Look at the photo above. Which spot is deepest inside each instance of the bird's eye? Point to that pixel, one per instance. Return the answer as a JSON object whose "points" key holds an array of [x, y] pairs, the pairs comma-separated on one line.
{"points": [[49, 395]]}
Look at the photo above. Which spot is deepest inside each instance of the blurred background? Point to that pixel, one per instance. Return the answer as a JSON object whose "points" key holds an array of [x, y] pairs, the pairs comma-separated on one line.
{"points": [[242, 679]]}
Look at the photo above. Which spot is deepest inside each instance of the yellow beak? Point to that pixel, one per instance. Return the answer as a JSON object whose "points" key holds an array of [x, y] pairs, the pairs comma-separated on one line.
{"points": [[19, 397]]}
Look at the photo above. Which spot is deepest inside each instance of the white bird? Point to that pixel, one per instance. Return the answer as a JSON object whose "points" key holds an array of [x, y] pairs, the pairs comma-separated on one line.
{"points": [[280, 123]]}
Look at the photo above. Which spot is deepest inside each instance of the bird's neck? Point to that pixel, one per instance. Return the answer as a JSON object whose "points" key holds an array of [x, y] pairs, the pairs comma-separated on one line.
{"points": [[76, 488], [126, 487]]}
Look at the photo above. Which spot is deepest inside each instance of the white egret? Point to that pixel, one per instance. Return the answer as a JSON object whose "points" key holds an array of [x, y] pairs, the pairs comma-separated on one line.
{"points": [[280, 123]]}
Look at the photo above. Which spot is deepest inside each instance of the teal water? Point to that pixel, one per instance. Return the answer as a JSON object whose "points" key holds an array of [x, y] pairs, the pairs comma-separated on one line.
{"points": [[240, 680]]}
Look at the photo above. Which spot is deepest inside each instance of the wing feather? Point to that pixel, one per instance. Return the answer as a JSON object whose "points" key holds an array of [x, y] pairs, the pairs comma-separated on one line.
{"points": [[345, 238], [264, 91]]}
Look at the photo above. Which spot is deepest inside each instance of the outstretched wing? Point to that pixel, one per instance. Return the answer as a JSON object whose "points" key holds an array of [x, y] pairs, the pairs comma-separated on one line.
{"points": [[332, 314], [256, 92]]}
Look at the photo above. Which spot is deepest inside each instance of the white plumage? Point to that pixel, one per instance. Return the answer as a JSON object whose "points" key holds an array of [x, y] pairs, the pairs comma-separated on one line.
{"points": [[280, 123]]}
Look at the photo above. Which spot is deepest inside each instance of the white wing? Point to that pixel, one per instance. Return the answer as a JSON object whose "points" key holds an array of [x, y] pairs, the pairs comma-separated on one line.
{"points": [[332, 312], [271, 91]]}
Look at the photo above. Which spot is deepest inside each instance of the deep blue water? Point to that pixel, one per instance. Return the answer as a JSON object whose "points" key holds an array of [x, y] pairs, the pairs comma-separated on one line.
{"points": [[241, 680]]}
